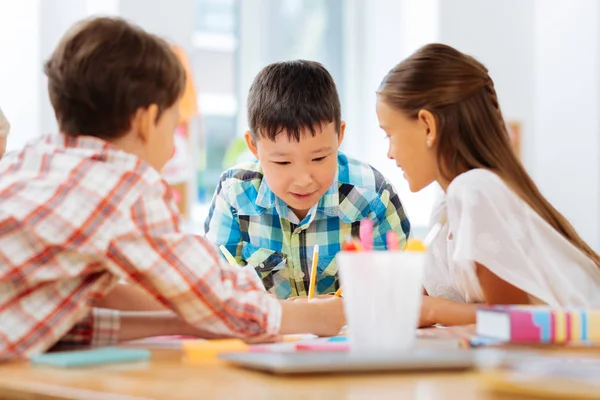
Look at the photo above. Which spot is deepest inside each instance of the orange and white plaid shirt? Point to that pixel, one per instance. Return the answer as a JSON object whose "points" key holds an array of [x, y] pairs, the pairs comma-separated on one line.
{"points": [[76, 216]]}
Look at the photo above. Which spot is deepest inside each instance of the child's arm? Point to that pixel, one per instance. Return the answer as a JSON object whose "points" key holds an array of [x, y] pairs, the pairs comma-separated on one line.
{"points": [[495, 290], [222, 226], [103, 327], [498, 291], [488, 233], [389, 216], [144, 316], [185, 273], [435, 310], [128, 297]]}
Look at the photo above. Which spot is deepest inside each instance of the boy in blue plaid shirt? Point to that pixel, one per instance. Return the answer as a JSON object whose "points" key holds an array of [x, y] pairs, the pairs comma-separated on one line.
{"points": [[302, 191]]}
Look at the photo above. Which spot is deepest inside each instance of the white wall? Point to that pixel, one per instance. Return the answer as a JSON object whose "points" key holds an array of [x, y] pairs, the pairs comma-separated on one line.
{"points": [[500, 35], [29, 31], [544, 58], [389, 32], [57, 17], [20, 69], [567, 106], [173, 20]]}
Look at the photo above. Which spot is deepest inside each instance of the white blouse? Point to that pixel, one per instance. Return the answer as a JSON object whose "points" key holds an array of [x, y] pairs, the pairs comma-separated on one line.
{"points": [[486, 222]]}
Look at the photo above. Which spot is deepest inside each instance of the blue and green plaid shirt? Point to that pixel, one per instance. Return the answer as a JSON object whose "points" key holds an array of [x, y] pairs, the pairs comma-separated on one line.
{"points": [[260, 230]]}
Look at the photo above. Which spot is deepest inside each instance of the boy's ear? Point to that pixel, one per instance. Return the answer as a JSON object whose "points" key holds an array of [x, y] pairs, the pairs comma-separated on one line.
{"points": [[251, 143], [143, 122], [341, 133]]}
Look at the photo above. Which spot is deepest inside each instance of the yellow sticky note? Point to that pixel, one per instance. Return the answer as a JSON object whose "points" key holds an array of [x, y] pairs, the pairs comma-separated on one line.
{"points": [[297, 338], [208, 350]]}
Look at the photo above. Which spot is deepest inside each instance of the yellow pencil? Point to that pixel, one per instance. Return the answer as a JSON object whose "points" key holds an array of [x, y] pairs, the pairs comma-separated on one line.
{"points": [[228, 256], [313, 272], [338, 292]]}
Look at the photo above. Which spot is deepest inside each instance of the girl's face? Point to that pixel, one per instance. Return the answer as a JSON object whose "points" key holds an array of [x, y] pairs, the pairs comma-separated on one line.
{"points": [[412, 143]]}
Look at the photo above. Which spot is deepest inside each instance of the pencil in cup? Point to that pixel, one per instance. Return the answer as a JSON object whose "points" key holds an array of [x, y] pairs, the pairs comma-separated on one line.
{"points": [[392, 241], [366, 234]]}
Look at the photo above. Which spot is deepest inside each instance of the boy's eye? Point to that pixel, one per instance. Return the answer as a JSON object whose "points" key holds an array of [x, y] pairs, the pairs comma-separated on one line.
{"points": [[319, 159], [282, 162]]}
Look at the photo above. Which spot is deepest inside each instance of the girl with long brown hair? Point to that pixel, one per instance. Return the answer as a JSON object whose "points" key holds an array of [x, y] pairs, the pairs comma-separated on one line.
{"points": [[501, 241]]}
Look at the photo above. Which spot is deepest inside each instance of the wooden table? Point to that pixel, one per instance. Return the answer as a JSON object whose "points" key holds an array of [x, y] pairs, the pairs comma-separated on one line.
{"points": [[166, 376]]}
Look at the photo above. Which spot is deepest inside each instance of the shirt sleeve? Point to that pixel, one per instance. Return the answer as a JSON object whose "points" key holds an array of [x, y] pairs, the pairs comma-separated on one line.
{"points": [[222, 225], [389, 216], [488, 225], [100, 327], [186, 274]]}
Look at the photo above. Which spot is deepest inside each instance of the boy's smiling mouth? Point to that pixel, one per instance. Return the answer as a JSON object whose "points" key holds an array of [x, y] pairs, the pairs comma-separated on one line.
{"points": [[302, 196]]}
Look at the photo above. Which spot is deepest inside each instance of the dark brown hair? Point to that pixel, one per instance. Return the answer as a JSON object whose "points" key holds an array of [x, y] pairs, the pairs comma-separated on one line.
{"points": [[471, 132], [292, 96], [103, 71]]}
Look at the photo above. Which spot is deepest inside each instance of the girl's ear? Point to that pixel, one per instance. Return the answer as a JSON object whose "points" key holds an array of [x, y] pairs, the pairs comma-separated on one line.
{"points": [[429, 124]]}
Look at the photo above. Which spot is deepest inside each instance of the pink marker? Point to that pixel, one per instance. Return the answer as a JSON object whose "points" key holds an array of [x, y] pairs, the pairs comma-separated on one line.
{"points": [[366, 234], [392, 242]]}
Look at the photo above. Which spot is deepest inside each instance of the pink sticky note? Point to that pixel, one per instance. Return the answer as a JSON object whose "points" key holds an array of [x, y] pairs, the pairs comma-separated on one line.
{"points": [[323, 346]]}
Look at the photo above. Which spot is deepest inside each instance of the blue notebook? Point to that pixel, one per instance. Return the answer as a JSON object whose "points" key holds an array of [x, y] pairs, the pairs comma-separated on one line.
{"points": [[81, 358]]}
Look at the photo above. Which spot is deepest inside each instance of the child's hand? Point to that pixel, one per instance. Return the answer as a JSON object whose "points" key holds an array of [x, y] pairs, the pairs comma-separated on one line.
{"points": [[264, 339], [330, 318], [322, 316]]}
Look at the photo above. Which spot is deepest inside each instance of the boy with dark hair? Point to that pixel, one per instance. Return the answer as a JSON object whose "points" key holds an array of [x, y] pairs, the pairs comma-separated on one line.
{"points": [[82, 210], [302, 191]]}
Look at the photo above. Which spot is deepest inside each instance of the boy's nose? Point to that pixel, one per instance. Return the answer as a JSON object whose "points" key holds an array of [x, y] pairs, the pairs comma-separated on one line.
{"points": [[303, 179]]}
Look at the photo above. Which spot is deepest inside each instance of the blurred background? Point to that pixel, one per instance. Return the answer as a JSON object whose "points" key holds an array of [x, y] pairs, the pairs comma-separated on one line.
{"points": [[544, 56]]}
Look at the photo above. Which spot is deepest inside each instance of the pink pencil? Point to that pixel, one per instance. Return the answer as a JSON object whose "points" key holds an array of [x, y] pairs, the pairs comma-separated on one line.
{"points": [[392, 242], [366, 234]]}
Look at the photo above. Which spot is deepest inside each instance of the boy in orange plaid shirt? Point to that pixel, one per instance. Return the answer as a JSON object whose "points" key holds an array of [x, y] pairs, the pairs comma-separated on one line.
{"points": [[85, 209]]}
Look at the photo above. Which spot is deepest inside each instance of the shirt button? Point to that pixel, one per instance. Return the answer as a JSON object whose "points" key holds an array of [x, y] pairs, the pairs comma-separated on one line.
{"points": [[262, 265]]}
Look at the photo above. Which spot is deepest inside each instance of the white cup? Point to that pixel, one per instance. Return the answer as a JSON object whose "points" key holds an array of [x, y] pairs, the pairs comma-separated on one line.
{"points": [[382, 298]]}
